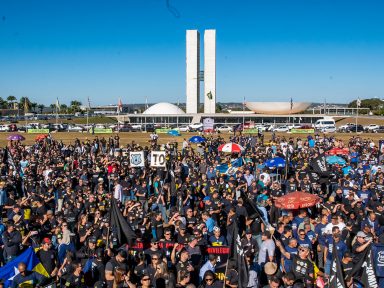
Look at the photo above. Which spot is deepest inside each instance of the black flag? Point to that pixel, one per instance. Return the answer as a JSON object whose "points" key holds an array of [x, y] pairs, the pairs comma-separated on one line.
{"points": [[237, 253], [8, 159], [336, 279], [319, 170], [120, 226], [365, 268]]}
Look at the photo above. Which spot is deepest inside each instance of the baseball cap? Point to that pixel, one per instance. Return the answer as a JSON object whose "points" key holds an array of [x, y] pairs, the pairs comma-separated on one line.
{"points": [[93, 239], [207, 198], [46, 240], [182, 227], [361, 234]]}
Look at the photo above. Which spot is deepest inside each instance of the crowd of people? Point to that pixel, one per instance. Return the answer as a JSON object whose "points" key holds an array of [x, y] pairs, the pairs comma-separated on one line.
{"points": [[56, 198]]}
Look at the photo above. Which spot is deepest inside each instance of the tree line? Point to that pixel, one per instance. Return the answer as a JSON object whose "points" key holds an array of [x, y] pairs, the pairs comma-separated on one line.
{"points": [[26, 105]]}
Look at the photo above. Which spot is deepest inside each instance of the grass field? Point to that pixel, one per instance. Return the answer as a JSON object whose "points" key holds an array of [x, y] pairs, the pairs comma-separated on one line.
{"points": [[142, 138]]}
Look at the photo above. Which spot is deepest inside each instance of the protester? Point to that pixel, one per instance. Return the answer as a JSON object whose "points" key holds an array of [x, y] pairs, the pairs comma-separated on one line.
{"points": [[95, 220]]}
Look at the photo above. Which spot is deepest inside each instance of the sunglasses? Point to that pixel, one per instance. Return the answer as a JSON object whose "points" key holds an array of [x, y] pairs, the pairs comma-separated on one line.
{"points": [[155, 258], [145, 279], [167, 234], [208, 279], [302, 234]]}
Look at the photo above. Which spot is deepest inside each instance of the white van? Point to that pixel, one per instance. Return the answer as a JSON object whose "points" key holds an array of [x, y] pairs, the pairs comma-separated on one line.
{"points": [[323, 123]]}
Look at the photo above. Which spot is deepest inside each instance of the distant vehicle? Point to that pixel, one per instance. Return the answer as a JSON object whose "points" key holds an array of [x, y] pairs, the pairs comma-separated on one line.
{"points": [[354, 128], [196, 127], [149, 128], [183, 129], [4, 128], [74, 128], [281, 129], [326, 122], [100, 126], [371, 127], [294, 126], [379, 130], [224, 128], [137, 127], [123, 128], [329, 129], [344, 128]]}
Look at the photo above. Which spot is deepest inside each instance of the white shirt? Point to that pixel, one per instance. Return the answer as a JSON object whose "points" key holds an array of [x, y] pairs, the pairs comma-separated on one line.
{"points": [[117, 193]]}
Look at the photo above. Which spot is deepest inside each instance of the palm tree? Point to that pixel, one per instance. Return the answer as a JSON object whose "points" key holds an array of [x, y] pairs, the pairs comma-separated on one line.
{"points": [[3, 103], [11, 99], [75, 105], [41, 108], [33, 106]]}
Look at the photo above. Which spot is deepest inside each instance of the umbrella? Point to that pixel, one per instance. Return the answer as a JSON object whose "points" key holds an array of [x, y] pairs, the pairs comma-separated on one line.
{"points": [[296, 200], [197, 139], [173, 133], [332, 160], [276, 162], [15, 137], [41, 137], [231, 148], [338, 151]]}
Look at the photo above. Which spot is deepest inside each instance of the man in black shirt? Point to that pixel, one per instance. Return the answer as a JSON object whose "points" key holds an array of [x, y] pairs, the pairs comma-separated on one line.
{"points": [[119, 261], [48, 257]]}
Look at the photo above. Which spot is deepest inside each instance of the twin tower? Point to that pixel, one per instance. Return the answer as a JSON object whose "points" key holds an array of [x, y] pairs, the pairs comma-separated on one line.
{"points": [[194, 76]]}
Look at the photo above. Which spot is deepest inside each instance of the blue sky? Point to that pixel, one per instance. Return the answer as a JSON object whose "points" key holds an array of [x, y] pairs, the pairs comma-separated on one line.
{"points": [[309, 50]]}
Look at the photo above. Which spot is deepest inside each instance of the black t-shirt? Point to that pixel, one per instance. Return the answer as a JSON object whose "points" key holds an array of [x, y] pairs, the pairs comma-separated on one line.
{"points": [[302, 268], [47, 259], [112, 265], [256, 226]]}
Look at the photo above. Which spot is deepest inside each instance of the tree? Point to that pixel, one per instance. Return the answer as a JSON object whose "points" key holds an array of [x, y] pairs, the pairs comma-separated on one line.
{"points": [[11, 99], [33, 106], [3, 103], [41, 108], [75, 105]]}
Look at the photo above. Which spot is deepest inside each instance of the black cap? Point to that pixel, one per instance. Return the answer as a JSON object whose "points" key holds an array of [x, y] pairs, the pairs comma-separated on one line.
{"points": [[93, 239], [123, 254], [182, 227]]}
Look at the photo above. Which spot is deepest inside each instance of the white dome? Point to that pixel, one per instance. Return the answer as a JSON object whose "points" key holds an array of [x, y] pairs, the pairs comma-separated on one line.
{"points": [[164, 108]]}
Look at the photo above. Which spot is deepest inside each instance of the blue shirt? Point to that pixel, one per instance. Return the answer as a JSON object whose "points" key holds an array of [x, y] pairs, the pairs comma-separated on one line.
{"points": [[364, 195], [319, 230], [288, 262], [210, 223], [207, 266], [340, 246]]}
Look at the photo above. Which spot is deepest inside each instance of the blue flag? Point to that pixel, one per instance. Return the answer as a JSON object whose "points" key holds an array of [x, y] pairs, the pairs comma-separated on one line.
{"points": [[230, 169], [378, 259], [9, 271]]}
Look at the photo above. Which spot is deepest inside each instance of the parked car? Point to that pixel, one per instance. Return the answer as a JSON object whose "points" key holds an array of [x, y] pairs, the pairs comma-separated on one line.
{"points": [[224, 128], [379, 130], [355, 128], [196, 127], [123, 128], [329, 129], [281, 129], [4, 128], [344, 128], [183, 128], [294, 126], [74, 128], [137, 127], [371, 127]]}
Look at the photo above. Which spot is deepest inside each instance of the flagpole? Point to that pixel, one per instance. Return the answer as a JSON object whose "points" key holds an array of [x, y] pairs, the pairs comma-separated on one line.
{"points": [[89, 105], [243, 113]]}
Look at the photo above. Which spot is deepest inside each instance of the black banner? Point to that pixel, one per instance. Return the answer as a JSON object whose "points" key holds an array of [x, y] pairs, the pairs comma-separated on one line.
{"points": [[365, 268], [336, 279]]}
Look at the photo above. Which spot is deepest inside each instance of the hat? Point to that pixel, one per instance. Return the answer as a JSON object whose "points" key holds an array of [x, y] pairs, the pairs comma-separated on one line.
{"points": [[16, 218], [361, 234], [153, 240], [248, 231], [270, 268], [182, 227], [123, 254], [216, 229], [46, 240], [207, 198], [212, 178], [93, 239]]}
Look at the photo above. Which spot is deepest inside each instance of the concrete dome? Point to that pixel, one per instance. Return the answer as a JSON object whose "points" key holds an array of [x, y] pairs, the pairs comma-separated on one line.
{"points": [[163, 108]]}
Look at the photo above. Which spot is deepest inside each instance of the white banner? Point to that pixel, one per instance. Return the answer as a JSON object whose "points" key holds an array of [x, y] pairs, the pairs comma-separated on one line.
{"points": [[136, 159], [158, 159], [208, 124]]}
